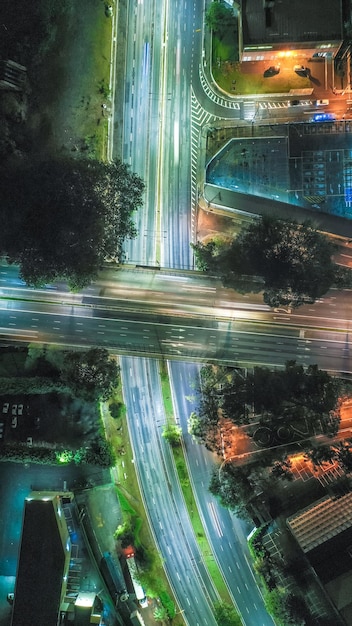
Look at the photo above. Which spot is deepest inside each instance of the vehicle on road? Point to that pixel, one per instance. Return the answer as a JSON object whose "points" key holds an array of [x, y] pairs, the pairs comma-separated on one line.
{"points": [[113, 576], [14, 421], [5, 407], [138, 589], [20, 409], [10, 597], [14, 409], [324, 117], [322, 103]]}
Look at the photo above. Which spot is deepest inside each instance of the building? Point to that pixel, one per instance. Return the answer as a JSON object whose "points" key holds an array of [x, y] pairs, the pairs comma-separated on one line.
{"points": [[87, 609], [283, 21], [44, 561], [273, 30], [324, 533]]}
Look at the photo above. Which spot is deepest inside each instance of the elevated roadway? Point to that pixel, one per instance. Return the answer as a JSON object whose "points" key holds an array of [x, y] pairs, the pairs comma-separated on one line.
{"points": [[183, 316]]}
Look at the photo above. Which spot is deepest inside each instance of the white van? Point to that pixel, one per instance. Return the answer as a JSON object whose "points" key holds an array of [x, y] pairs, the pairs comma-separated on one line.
{"points": [[322, 103]]}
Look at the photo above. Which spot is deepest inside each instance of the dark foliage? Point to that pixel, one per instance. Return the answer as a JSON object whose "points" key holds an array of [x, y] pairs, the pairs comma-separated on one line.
{"points": [[292, 262], [62, 218], [90, 374]]}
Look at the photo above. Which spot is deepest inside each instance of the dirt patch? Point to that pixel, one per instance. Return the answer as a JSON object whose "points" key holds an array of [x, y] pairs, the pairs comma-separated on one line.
{"points": [[210, 225]]}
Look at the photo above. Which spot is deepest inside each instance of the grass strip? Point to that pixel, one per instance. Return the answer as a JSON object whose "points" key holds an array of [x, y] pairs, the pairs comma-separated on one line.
{"points": [[130, 497], [188, 495]]}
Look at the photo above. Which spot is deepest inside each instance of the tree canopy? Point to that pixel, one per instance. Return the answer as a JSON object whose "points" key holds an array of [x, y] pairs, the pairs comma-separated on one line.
{"points": [[287, 608], [270, 396], [226, 615], [233, 487], [291, 262], [172, 434], [90, 374], [218, 16], [63, 218]]}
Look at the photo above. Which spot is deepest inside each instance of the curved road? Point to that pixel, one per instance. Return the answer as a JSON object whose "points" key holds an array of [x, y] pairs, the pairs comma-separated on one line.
{"points": [[163, 499], [226, 534]]}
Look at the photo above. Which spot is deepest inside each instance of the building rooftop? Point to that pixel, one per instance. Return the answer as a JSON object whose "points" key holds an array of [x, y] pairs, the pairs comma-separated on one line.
{"points": [[287, 21], [320, 522], [41, 565]]}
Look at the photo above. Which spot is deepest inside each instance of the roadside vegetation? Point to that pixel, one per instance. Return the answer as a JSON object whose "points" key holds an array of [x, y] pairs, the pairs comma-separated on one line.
{"points": [[173, 434], [263, 425], [290, 262], [280, 603], [63, 218], [135, 528]]}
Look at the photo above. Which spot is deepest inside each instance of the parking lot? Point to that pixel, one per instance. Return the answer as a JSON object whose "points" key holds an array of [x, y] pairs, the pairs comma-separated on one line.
{"points": [[49, 419], [14, 420]]}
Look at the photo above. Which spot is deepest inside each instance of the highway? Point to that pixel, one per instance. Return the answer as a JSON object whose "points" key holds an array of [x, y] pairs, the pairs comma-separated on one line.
{"points": [[183, 317], [148, 127], [226, 534], [163, 499], [180, 317], [143, 116]]}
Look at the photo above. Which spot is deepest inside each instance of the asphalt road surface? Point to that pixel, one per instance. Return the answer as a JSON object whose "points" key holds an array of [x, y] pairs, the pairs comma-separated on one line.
{"points": [[226, 534], [163, 499], [180, 317]]}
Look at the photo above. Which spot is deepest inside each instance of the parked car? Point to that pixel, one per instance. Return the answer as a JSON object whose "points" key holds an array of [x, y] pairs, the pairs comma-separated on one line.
{"points": [[29, 441], [5, 407], [20, 409], [14, 409], [273, 70], [322, 103], [10, 597], [14, 421]]}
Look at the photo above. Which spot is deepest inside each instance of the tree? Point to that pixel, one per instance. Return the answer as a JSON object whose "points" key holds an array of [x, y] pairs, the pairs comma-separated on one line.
{"points": [[218, 16], [172, 434], [226, 614], [293, 261], [288, 610], [282, 469], [63, 218], [90, 374], [160, 614], [196, 427], [232, 487], [343, 454], [319, 455], [115, 409]]}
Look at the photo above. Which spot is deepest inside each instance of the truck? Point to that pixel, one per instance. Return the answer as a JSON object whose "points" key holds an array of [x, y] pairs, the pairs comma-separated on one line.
{"points": [[113, 576], [138, 589]]}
